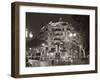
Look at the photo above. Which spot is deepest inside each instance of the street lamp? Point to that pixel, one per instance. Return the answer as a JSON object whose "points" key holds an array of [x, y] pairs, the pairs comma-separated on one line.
{"points": [[30, 48], [30, 35], [74, 34], [70, 35], [43, 44]]}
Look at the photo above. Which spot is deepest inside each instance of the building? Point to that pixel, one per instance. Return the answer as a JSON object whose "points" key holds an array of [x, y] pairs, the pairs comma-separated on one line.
{"points": [[61, 45]]}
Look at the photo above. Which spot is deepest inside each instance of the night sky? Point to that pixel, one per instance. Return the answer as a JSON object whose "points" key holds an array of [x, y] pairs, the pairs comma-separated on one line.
{"points": [[35, 21]]}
